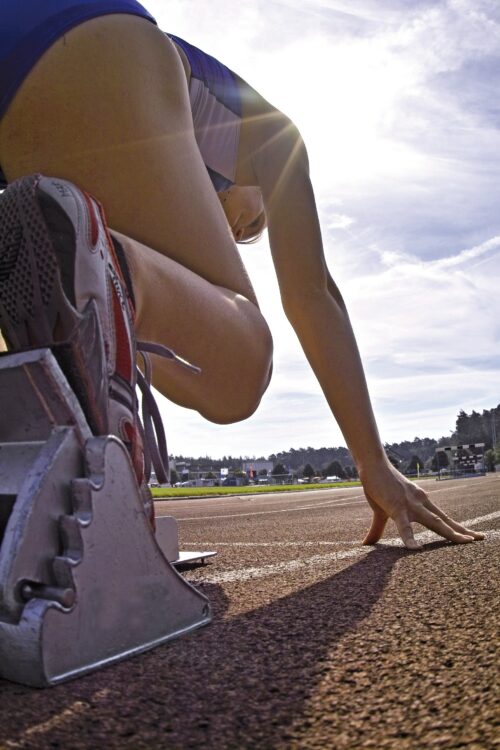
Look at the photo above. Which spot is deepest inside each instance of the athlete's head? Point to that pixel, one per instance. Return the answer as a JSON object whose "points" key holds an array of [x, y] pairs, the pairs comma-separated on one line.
{"points": [[244, 211]]}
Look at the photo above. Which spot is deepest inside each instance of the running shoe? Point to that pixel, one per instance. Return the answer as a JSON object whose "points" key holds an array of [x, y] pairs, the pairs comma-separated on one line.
{"points": [[61, 286]]}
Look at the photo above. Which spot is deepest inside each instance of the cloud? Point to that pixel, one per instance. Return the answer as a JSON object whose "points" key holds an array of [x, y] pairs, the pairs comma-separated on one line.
{"points": [[339, 221], [405, 266], [418, 317], [398, 104]]}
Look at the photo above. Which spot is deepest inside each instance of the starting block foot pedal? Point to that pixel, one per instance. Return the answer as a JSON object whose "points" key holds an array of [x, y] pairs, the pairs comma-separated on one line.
{"points": [[167, 536], [83, 581]]}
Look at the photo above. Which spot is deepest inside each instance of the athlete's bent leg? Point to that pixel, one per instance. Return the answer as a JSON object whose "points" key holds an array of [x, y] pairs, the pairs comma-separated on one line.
{"points": [[216, 329], [107, 108]]}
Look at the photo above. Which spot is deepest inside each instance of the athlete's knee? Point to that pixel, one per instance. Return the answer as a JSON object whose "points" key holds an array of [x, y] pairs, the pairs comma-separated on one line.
{"points": [[238, 407], [246, 376]]}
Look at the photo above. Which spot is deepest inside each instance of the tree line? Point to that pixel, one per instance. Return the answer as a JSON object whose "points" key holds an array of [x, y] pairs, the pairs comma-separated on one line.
{"points": [[407, 455]]}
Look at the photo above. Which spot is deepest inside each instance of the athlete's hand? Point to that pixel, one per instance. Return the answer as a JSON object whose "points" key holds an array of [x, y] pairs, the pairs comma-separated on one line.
{"points": [[391, 495]]}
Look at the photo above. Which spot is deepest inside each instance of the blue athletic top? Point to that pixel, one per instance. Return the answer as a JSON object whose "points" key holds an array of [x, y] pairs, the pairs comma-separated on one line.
{"points": [[29, 27], [215, 97]]}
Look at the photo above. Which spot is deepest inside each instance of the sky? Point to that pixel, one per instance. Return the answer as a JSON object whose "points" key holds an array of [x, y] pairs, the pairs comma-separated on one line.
{"points": [[397, 101]]}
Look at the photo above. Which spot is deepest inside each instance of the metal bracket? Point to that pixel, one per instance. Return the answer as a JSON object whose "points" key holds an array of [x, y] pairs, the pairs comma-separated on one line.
{"points": [[83, 580]]}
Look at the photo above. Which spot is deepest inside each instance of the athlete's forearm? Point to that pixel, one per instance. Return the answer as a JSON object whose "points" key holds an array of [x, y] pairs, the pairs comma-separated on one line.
{"points": [[325, 333], [317, 312], [311, 300]]}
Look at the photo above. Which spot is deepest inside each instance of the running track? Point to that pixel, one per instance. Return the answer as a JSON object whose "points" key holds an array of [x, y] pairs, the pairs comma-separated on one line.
{"points": [[316, 642]]}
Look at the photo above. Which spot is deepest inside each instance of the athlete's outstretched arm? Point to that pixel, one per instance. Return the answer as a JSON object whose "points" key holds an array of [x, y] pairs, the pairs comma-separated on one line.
{"points": [[316, 310]]}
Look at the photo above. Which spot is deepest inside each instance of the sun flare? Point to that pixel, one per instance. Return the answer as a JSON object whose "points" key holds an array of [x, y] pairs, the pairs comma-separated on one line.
{"points": [[345, 99]]}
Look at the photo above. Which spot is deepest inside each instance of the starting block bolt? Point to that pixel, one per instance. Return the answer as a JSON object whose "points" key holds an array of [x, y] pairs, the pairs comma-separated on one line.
{"points": [[64, 597]]}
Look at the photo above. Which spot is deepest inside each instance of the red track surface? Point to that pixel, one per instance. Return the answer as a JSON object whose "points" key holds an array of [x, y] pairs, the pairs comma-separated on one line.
{"points": [[316, 641]]}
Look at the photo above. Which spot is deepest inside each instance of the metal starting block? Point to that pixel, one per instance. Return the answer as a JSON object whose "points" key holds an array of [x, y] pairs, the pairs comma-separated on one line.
{"points": [[83, 580], [167, 537]]}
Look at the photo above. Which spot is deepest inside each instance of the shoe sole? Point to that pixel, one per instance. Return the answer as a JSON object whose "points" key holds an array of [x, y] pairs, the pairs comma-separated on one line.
{"points": [[34, 308]]}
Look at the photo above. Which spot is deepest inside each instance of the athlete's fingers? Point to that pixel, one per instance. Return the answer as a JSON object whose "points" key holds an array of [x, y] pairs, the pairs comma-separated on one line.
{"points": [[433, 508], [433, 522], [405, 531], [377, 527]]}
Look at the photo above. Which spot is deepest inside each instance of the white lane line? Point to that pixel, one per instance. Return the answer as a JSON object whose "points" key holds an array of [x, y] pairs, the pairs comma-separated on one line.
{"points": [[75, 709], [273, 544], [493, 534], [246, 574], [263, 571], [443, 489], [337, 503], [469, 522], [480, 519], [277, 495]]}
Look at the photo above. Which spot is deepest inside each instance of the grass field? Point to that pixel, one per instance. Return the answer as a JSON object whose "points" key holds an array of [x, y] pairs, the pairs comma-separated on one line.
{"points": [[252, 489], [179, 492]]}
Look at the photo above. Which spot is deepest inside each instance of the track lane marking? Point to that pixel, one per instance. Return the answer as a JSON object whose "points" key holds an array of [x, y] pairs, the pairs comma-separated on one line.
{"points": [[338, 502], [263, 571], [274, 544], [295, 495], [37, 730]]}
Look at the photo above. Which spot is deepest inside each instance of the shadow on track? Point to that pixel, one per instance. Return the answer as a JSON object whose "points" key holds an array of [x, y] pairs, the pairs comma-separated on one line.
{"points": [[237, 684]]}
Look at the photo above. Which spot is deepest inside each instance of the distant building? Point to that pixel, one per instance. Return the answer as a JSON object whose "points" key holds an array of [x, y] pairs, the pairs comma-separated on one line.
{"points": [[257, 466], [464, 459]]}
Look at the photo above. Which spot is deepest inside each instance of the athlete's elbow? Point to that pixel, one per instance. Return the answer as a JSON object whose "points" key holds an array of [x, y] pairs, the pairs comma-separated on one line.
{"points": [[281, 144], [299, 298]]}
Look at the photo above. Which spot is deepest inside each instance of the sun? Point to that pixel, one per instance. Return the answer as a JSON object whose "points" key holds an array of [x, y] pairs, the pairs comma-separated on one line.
{"points": [[345, 99]]}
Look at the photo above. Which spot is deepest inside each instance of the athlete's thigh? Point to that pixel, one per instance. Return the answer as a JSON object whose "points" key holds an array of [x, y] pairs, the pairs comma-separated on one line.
{"points": [[107, 107]]}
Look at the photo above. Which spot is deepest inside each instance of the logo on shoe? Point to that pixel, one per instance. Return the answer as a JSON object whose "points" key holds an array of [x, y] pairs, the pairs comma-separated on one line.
{"points": [[117, 285], [62, 189]]}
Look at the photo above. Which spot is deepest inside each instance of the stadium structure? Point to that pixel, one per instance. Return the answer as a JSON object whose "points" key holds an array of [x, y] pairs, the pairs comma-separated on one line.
{"points": [[462, 461]]}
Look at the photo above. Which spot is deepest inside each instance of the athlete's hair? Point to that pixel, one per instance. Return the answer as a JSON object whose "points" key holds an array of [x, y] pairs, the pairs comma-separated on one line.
{"points": [[254, 231]]}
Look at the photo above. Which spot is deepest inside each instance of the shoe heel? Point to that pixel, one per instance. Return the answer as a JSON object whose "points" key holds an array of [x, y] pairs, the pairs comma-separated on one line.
{"points": [[82, 359], [32, 303]]}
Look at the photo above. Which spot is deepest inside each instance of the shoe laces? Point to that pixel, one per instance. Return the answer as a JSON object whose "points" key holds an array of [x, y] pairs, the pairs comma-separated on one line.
{"points": [[152, 431]]}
